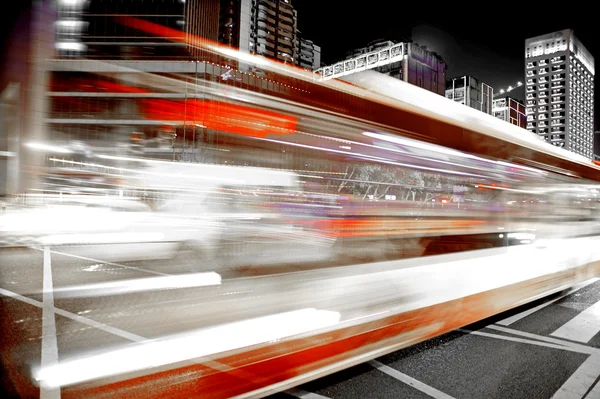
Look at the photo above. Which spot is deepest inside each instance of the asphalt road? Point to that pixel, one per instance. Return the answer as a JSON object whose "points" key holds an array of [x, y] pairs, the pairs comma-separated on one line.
{"points": [[550, 347]]}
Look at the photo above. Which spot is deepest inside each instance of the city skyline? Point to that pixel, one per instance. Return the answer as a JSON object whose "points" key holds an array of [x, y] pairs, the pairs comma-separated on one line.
{"points": [[494, 55]]}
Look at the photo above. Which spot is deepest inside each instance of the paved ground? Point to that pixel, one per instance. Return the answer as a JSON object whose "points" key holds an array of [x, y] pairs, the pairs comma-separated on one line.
{"points": [[551, 347]]}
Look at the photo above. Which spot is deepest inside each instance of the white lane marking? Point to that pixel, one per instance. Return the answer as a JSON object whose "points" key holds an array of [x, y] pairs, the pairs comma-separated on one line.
{"points": [[583, 348], [582, 327], [594, 393], [108, 263], [49, 341], [75, 317], [526, 341], [581, 380], [429, 390], [298, 393], [512, 319], [113, 330]]}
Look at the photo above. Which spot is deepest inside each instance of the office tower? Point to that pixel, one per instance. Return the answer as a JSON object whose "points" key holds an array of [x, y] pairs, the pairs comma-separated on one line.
{"points": [[559, 91], [405, 61], [510, 110], [471, 92]]}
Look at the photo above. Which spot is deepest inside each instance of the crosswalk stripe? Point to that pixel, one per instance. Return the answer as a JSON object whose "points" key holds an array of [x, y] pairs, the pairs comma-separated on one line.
{"points": [[583, 327]]}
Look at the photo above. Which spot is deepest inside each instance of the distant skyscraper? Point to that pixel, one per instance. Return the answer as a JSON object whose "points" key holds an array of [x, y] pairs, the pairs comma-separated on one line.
{"points": [[471, 92], [405, 61], [510, 110], [559, 91]]}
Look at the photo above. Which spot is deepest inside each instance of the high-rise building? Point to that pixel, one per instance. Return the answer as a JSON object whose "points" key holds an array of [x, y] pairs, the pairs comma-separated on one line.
{"points": [[559, 91], [405, 61], [471, 92], [272, 29], [308, 55], [596, 145], [510, 110], [267, 28]]}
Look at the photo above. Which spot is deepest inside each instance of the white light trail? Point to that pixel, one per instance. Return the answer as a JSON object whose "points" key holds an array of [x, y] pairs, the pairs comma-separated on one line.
{"points": [[48, 147], [140, 285], [187, 346]]}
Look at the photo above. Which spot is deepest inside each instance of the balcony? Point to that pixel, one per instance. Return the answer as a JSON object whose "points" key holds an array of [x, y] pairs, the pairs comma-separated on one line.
{"points": [[286, 19], [285, 26]]}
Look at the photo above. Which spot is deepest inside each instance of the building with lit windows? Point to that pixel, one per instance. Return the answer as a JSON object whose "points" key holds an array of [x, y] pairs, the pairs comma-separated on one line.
{"points": [[471, 92], [510, 110], [405, 61], [559, 91]]}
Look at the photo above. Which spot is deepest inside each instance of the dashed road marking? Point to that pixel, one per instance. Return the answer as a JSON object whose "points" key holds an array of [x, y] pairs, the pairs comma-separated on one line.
{"points": [[429, 390], [594, 392], [49, 341], [75, 317], [512, 319], [108, 263], [298, 393], [583, 348], [583, 327], [581, 380], [526, 341]]}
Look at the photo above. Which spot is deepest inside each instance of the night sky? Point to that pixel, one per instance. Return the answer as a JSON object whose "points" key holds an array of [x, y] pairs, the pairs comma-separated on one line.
{"points": [[479, 39], [482, 41]]}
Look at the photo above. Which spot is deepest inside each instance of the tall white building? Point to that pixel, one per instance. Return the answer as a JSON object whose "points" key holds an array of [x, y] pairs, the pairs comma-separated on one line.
{"points": [[559, 91]]}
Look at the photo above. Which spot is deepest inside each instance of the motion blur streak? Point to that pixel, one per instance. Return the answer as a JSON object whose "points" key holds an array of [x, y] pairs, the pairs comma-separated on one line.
{"points": [[193, 345], [298, 227], [139, 285]]}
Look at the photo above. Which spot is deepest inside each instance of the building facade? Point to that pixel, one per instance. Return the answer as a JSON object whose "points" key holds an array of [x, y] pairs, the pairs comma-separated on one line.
{"points": [[510, 110], [267, 28], [308, 55], [559, 91], [272, 29], [471, 92], [405, 61]]}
